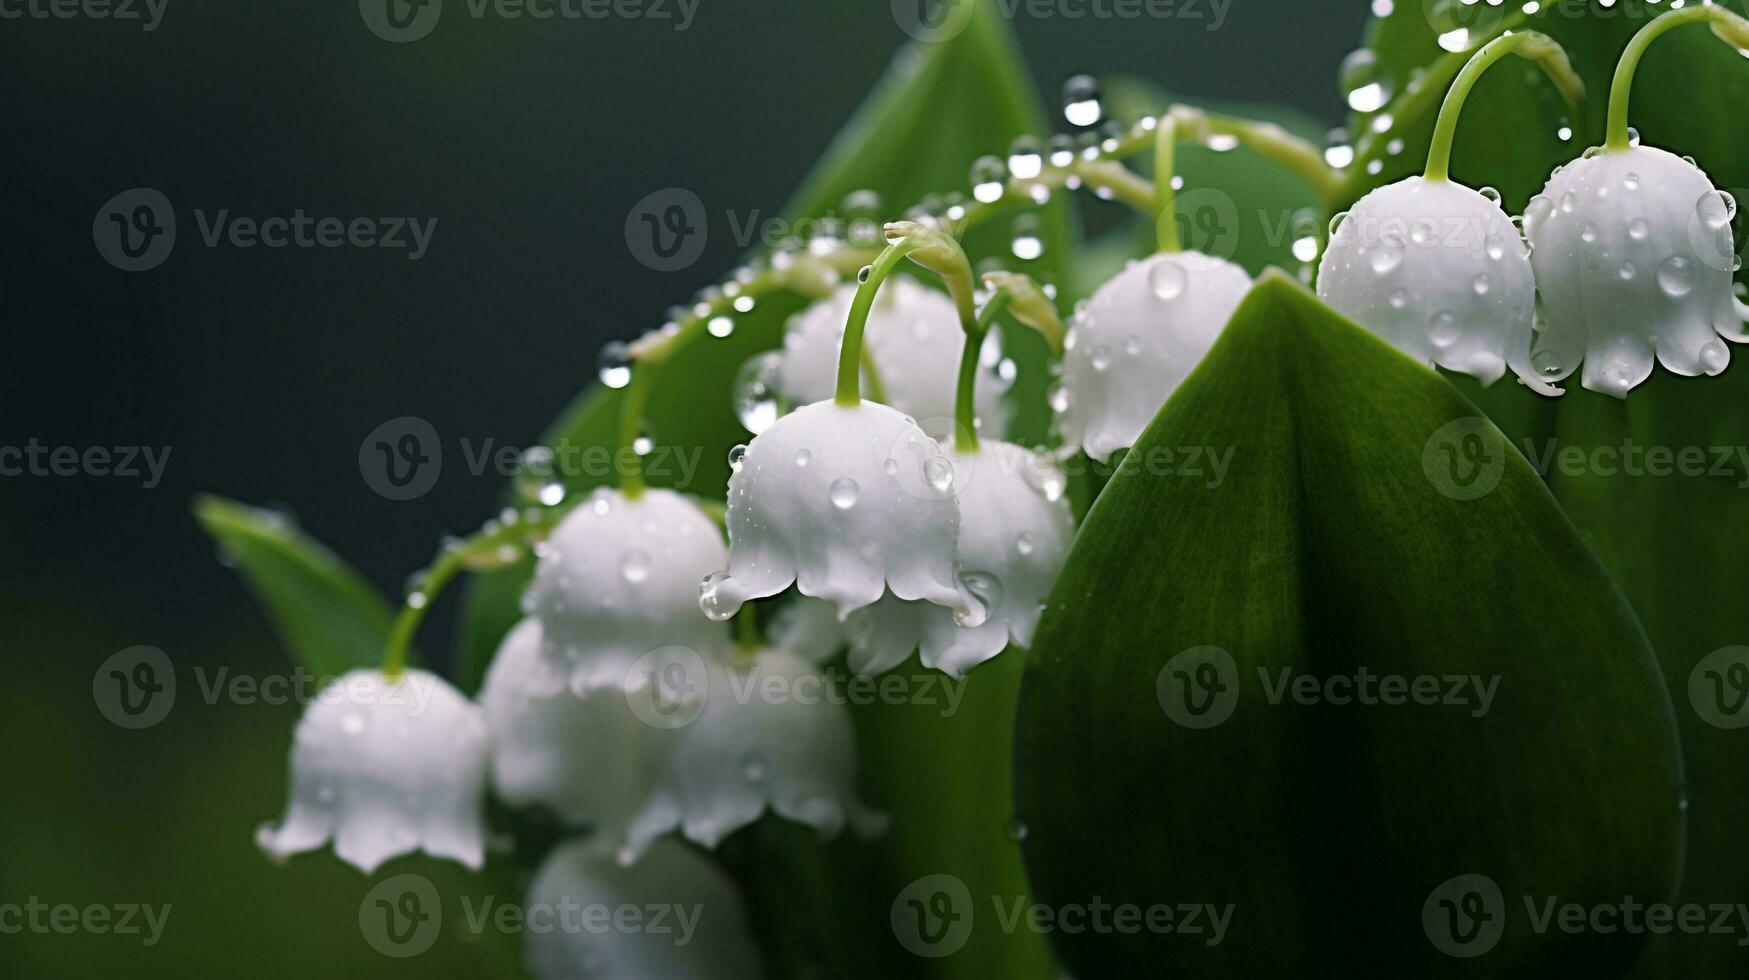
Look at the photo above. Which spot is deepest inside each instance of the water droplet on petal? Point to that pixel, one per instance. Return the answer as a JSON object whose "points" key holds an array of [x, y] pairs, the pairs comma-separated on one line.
{"points": [[1023, 543], [1168, 280], [938, 473], [613, 365], [1546, 363], [844, 492], [1638, 229], [1482, 284], [1676, 276], [1443, 329], [1100, 357], [716, 606], [803, 457]]}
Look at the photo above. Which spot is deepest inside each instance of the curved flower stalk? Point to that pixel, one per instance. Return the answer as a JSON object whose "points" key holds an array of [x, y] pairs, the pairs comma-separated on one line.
{"points": [[768, 738], [845, 499], [1437, 269], [1141, 333], [589, 759], [910, 348], [619, 579], [1633, 250], [1015, 532], [717, 945], [383, 767]]}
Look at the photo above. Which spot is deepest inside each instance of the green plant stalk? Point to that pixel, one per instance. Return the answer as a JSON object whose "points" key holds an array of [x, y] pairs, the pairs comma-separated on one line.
{"points": [[965, 412], [482, 551], [849, 392], [1530, 44], [1730, 28], [1165, 167]]}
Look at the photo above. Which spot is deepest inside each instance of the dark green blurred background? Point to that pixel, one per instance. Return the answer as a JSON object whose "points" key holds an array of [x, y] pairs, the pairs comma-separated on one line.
{"points": [[262, 370]]}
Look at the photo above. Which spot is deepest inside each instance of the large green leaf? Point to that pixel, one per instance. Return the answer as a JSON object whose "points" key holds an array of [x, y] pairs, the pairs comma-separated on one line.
{"points": [[1671, 542], [1343, 539], [330, 619]]}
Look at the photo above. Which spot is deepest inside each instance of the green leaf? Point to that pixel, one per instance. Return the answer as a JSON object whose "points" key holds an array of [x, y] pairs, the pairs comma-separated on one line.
{"points": [[1343, 538], [1672, 543], [330, 619]]}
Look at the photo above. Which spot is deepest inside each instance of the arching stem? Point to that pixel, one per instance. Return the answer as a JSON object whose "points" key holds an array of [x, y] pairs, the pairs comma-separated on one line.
{"points": [[1165, 170], [631, 419], [1730, 27], [499, 544], [849, 392], [1529, 44], [965, 410]]}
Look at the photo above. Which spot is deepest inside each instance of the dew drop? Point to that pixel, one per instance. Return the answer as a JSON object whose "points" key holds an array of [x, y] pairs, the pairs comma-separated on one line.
{"points": [[1016, 829], [1100, 357], [1638, 229], [1387, 256], [720, 326], [938, 473], [1081, 105], [1631, 182], [1168, 280], [1399, 299], [613, 365], [1546, 363], [711, 600], [1023, 543], [1676, 276], [803, 457], [1627, 271], [1588, 234], [1496, 247], [890, 467], [1443, 329], [1026, 157], [634, 567], [863, 273], [1482, 284], [844, 492], [755, 391], [989, 176]]}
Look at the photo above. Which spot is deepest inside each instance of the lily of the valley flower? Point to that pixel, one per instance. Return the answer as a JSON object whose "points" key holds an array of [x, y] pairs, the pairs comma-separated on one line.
{"points": [[1136, 340], [589, 759], [1634, 257], [810, 629], [383, 767], [847, 503], [704, 935], [1633, 249], [1015, 532], [912, 341], [619, 579], [767, 737], [1439, 271]]}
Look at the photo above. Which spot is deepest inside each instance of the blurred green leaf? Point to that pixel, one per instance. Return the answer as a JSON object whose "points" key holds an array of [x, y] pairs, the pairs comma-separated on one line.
{"points": [[1342, 539], [330, 619], [1670, 542]]}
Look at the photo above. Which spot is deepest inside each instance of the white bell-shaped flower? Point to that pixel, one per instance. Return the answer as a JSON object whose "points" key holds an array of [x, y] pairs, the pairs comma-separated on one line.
{"points": [[619, 579], [384, 767], [847, 502], [590, 759], [913, 339], [769, 736], [1137, 338], [1634, 257], [1439, 271], [1015, 532], [674, 914]]}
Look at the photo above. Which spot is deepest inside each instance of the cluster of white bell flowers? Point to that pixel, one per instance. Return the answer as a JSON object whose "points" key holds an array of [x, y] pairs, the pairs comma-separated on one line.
{"points": [[1626, 257]]}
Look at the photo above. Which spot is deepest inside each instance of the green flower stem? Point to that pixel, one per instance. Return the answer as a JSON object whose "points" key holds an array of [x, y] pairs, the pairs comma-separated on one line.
{"points": [[631, 419], [1530, 44], [747, 638], [499, 544], [1280, 147], [1730, 27], [1165, 169], [965, 413], [849, 392]]}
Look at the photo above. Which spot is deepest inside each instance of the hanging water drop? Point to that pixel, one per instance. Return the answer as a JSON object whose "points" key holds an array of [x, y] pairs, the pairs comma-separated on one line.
{"points": [[755, 391], [613, 365], [1081, 104], [844, 492], [634, 567], [1168, 280], [989, 178]]}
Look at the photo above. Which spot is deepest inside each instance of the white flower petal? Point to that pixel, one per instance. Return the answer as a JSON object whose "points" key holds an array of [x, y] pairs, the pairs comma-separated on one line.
{"points": [[1438, 271], [589, 759], [1137, 339], [383, 768], [794, 752], [1015, 534], [845, 502], [577, 887], [914, 339], [1634, 259], [621, 579]]}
